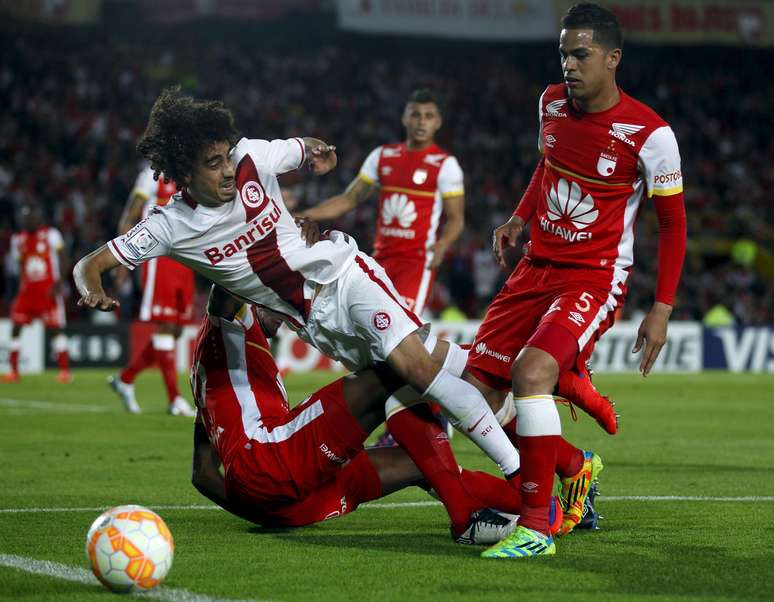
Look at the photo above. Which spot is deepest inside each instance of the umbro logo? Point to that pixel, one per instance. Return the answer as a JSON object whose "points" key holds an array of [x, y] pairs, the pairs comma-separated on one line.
{"points": [[550, 141]]}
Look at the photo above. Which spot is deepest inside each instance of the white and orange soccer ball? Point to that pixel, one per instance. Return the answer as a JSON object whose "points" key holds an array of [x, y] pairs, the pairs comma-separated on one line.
{"points": [[130, 549]]}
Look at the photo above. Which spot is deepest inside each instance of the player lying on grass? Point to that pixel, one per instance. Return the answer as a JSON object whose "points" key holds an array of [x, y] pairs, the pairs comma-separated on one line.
{"points": [[293, 467], [229, 223]]}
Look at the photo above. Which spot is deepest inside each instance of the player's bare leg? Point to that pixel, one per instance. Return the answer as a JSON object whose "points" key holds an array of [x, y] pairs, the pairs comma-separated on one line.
{"points": [[13, 356], [467, 409]]}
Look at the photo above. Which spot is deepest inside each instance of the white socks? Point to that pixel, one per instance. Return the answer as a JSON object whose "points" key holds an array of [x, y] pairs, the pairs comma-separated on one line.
{"points": [[538, 416], [163, 342], [470, 414]]}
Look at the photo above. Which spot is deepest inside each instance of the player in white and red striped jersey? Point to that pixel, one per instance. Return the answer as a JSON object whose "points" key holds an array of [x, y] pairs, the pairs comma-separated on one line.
{"points": [[229, 224], [293, 467], [167, 301], [604, 156], [419, 184], [38, 249]]}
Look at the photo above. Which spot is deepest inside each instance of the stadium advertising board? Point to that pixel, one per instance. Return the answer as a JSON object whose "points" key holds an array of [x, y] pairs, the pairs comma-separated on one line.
{"points": [[469, 19], [31, 353], [91, 345], [739, 349]]}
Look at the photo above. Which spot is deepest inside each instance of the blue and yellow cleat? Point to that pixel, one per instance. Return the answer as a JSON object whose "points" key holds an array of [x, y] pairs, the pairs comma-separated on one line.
{"points": [[575, 490], [522, 543]]}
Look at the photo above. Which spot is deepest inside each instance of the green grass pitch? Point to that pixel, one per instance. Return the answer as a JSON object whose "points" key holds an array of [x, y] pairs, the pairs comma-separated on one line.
{"points": [[706, 435]]}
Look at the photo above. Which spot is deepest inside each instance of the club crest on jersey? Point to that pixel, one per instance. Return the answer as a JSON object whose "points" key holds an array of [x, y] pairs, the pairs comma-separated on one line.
{"points": [[606, 164], [381, 321], [419, 177], [253, 195]]}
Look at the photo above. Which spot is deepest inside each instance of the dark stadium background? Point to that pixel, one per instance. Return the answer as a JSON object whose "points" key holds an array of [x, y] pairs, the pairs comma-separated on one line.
{"points": [[75, 98]]}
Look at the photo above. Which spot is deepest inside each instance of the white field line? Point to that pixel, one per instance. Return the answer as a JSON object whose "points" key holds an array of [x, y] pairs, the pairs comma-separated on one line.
{"points": [[36, 404], [56, 570], [428, 503]]}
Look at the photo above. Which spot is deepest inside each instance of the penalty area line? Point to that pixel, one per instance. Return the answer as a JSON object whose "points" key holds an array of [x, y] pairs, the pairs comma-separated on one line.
{"points": [[48, 568], [425, 504]]}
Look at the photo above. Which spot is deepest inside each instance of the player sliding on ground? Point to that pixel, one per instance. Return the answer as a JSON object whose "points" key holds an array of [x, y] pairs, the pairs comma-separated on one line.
{"points": [[293, 467]]}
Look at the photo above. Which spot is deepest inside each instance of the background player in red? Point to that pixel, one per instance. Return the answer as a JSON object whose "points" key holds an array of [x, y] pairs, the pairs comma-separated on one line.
{"points": [[39, 250], [603, 154], [292, 467], [167, 301], [419, 182]]}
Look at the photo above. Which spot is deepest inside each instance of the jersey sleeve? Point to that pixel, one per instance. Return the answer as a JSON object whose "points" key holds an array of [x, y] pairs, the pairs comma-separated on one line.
{"points": [[275, 156], [369, 172], [149, 238], [540, 123], [660, 163], [145, 186], [55, 240], [14, 250], [450, 179]]}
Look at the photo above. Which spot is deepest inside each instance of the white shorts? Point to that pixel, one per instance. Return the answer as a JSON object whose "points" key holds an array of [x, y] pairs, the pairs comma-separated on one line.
{"points": [[358, 319]]}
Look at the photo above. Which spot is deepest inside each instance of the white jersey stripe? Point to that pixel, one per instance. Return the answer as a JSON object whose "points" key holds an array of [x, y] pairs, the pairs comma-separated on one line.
{"points": [[234, 344], [424, 289], [619, 277], [146, 305], [285, 431]]}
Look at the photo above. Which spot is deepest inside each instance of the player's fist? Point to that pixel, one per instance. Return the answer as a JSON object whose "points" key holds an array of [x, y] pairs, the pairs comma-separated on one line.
{"points": [[99, 301], [322, 159], [507, 234], [310, 230]]}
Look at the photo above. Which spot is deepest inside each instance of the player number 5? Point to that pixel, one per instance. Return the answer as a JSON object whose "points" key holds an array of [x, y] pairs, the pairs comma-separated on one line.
{"points": [[585, 304]]}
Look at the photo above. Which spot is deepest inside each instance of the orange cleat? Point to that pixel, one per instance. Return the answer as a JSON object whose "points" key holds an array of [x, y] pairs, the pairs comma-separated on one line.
{"points": [[64, 377], [10, 378], [577, 389]]}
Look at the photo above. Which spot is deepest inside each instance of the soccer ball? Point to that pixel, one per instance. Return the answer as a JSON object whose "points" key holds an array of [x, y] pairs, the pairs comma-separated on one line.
{"points": [[130, 549]]}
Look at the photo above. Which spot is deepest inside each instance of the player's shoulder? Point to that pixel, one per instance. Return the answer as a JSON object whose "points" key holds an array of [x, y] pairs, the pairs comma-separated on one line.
{"points": [[554, 95], [391, 149], [640, 113]]}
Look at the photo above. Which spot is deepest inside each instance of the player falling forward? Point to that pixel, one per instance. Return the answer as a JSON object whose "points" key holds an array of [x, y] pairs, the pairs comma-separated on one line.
{"points": [[294, 467], [38, 249], [167, 301], [603, 153], [229, 224], [419, 182]]}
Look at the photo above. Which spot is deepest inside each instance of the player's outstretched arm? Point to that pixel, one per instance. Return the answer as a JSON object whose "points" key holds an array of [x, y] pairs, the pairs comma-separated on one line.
{"points": [[320, 157], [87, 274], [506, 235], [336, 206]]}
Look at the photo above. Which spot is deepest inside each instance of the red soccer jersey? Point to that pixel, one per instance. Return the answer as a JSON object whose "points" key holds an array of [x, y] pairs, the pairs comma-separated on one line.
{"points": [[235, 381], [37, 254], [598, 169], [413, 186]]}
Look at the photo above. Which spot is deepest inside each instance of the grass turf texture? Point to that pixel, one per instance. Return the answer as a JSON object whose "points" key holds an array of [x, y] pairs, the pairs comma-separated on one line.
{"points": [[696, 435]]}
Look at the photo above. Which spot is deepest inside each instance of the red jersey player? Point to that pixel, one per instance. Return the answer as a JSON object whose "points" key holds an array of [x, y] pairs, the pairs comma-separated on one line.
{"points": [[167, 301], [418, 183], [39, 251], [293, 467], [604, 155]]}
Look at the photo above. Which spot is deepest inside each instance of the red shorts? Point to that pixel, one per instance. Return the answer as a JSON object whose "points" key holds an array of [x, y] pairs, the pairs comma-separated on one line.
{"points": [[411, 279], [298, 469], [34, 303], [580, 300], [168, 291]]}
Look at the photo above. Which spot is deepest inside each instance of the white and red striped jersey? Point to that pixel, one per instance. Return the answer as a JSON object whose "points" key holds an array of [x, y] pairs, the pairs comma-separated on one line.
{"points": [[598, 169], [37, 254], [250, 246], [155, 192], [235, 380], [413, 186]]}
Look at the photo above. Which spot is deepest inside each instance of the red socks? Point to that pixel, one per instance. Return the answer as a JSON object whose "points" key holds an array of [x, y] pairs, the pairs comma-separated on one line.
{"points": [[14, 361], [491, 491], [420, 434], [569, 459], [166, 361], [538, 462], [139, 362]]}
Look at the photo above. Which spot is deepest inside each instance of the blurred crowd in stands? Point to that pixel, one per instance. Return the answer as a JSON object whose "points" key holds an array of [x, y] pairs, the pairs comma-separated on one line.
{"points": [[73, 106]]}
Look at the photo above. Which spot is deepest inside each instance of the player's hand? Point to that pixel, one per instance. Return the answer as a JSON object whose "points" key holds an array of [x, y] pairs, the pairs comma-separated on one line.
{"points": [[439, 252], [653, 333], [507, 234], [310, 230], [99, 301], [322, 159]]}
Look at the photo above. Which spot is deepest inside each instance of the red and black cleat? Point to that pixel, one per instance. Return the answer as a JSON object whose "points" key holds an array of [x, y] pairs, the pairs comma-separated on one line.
{"points": [[577, 389]]}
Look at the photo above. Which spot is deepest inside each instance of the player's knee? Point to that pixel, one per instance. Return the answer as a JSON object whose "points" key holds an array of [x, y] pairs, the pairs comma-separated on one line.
{"points": [[534, 374]]}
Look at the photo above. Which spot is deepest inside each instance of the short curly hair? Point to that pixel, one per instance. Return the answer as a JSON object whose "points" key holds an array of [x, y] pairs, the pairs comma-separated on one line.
{"points": [[179, 128]]}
